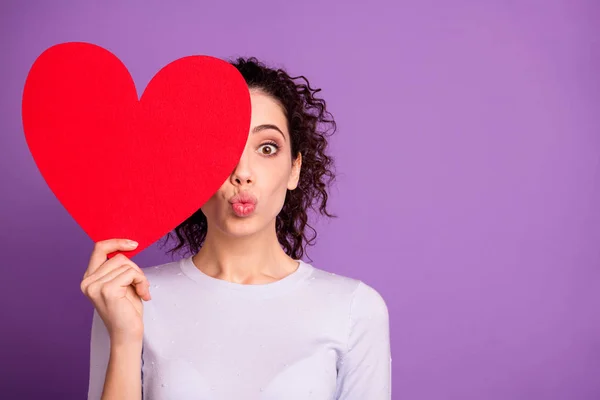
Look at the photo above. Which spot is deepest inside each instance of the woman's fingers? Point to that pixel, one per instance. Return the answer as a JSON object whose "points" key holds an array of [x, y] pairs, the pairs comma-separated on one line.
{"points": [[101, 251], [114, 284], [105, 273], [128, 277]]}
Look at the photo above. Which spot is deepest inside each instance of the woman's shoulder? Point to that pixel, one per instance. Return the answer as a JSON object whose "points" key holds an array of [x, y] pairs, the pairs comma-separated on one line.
{"points": [[360, 295], [162, 270]]}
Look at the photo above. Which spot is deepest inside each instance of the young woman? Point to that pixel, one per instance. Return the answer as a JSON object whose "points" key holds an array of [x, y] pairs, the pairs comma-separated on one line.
{"points": [[242, 317]]}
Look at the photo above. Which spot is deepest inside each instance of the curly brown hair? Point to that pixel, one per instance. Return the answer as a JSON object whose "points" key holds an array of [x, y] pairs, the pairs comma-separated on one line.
{"points": [[309, 125]]}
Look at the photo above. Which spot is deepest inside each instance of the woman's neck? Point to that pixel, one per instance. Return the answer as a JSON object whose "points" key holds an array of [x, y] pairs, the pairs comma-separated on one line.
{"points": [[252, 259]]}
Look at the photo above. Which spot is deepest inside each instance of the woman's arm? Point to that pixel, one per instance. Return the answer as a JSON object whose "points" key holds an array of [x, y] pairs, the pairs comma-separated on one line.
{"points": [[365, 370], [123, 375], [115, 369]]}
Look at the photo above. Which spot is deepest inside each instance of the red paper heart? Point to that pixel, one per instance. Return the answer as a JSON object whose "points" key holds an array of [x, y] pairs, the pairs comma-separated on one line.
{"points": [[125, 167]]}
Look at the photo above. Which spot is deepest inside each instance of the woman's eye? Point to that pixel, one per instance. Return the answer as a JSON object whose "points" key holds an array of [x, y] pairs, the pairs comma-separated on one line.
{"points": [[268, 149]]}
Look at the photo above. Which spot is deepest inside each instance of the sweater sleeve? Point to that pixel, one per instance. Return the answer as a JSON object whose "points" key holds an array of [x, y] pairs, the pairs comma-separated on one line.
{"points": [[99, 356], [365, 369]]}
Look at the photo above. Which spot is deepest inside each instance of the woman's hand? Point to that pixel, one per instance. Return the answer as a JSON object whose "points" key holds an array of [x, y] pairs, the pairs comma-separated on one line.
{"points": [[116, 288]]}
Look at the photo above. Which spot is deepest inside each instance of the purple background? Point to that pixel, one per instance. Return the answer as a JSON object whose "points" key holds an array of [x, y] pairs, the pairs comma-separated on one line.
{"points": [[468, 195]]}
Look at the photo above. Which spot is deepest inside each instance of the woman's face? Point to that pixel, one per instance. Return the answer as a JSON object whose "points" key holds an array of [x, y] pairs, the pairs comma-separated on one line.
{"points": [[265, 172]]}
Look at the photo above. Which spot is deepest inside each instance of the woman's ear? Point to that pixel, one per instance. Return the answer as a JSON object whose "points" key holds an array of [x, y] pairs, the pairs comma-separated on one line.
{"points": [[295, 175]]}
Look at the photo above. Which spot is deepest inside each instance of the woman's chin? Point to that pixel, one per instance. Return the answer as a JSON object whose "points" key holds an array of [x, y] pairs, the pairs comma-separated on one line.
{"points": [[240, 227]]}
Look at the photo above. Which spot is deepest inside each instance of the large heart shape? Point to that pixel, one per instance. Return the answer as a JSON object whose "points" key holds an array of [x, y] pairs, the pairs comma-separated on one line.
{"points": [[125, 167]]}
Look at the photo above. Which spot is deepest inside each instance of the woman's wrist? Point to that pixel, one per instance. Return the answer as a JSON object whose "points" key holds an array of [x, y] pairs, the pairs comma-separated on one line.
{"points": [[125, 346]]}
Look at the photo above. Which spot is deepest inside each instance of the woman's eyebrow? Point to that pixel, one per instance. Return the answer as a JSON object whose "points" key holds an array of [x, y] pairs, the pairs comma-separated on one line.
{"points": [[264, 127]]}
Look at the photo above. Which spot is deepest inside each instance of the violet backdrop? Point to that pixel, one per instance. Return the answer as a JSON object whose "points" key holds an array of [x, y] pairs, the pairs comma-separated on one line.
{"points": [[468, 193]]}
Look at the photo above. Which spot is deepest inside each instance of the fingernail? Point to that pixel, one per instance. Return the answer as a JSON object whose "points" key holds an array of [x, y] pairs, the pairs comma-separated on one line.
{"points": [[132, 243]]}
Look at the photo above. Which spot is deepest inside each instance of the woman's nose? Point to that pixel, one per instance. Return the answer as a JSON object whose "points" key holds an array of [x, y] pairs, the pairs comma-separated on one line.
{"points": [[242, 173]]}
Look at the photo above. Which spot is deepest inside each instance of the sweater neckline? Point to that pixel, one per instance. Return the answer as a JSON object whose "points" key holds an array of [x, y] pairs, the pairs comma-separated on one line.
{"points": [[284, 284]]}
